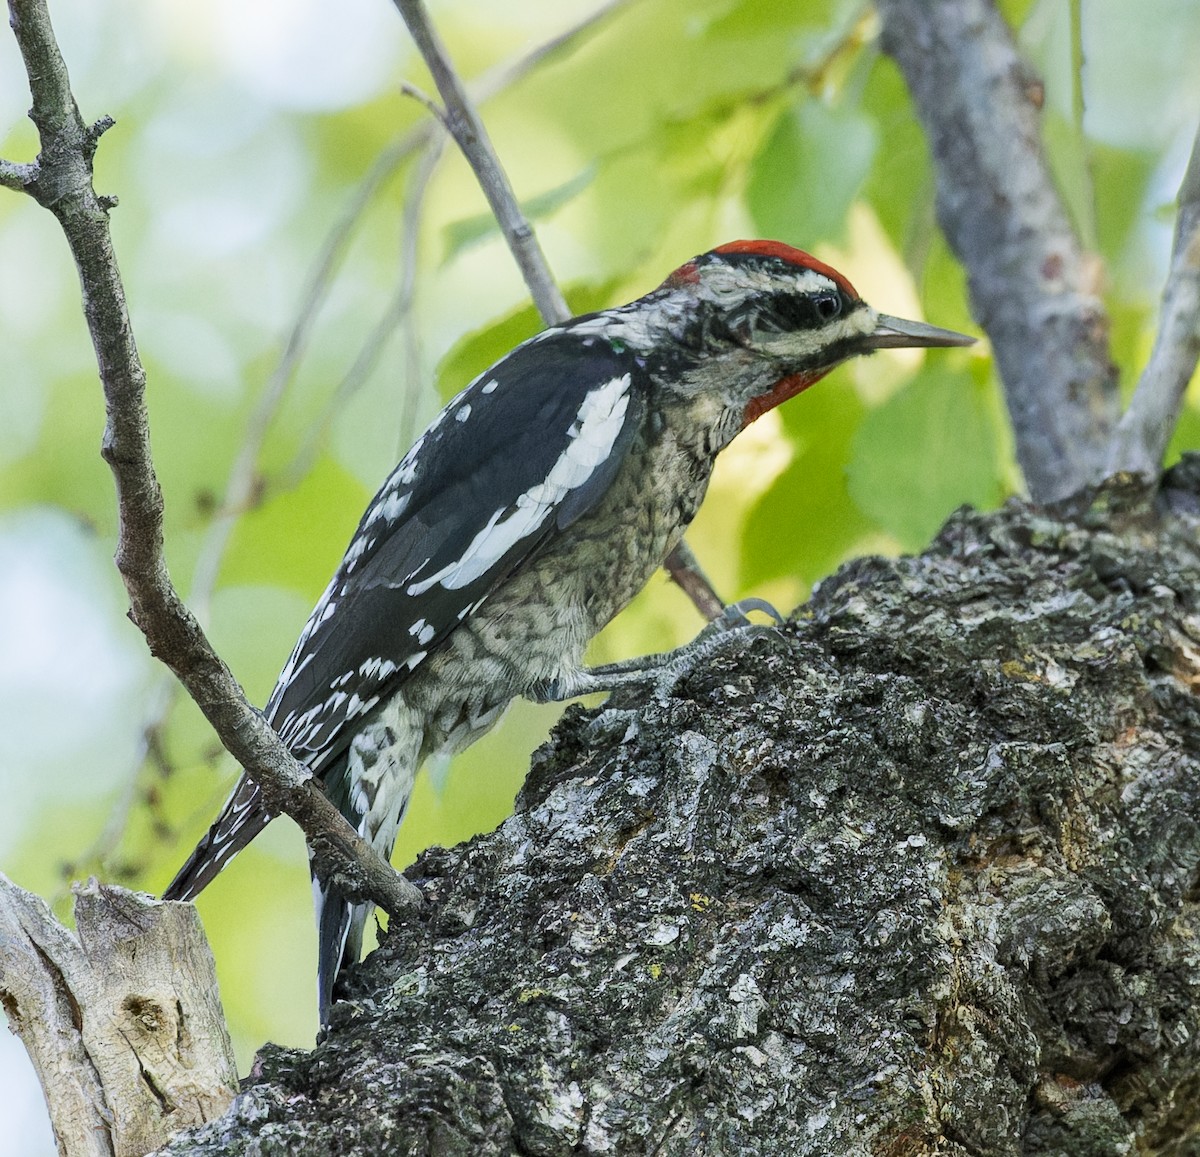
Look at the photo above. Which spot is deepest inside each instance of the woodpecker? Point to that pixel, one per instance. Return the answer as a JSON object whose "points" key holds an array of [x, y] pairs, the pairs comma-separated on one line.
{"points": [[534, 507]]}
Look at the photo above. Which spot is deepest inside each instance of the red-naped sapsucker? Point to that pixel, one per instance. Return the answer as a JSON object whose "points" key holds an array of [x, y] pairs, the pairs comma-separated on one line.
{"points": [[535, 506]]}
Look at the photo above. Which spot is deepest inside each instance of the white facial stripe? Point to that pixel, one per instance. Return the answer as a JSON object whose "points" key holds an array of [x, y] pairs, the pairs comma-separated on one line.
{"points": [[723, 284], [593, 435]]}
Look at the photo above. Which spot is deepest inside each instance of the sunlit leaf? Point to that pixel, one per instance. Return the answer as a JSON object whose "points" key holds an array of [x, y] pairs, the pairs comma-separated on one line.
{"points": [[296, 538], [805, 524], [808, 173], [925, 451]]}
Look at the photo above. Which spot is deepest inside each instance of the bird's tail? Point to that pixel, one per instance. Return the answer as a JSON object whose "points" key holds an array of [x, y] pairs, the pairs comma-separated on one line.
{"points": [[371, 789], [241, 819], [340, 925]]}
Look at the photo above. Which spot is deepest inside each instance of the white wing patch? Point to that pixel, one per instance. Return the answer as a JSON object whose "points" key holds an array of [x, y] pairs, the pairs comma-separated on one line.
{"points": [[593, 435]]}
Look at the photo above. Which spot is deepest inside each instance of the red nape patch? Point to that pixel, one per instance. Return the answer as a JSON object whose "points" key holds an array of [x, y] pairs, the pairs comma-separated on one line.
{"points": [[783, 389], [687, 274], [787, 253]]}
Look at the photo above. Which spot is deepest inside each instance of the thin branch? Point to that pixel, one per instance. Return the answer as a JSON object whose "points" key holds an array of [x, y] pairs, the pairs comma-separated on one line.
{"points": [[93, 858], [398, 312], [427, 102], [467, 129], [1032, 287], [63, 185], [410, 234], [685, 571], [1145, 428]]}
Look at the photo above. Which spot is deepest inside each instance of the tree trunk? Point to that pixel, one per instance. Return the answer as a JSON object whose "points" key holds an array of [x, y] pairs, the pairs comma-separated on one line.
{"points": [[916, 874]]}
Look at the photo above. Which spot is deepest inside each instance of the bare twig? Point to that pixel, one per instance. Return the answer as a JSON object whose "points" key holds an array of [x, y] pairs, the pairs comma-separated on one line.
{"points": [[398, 312], [1032, 287], [63, 185], [506, 74], [427, 102], [410, 232], [1146, 427], [467, 129], [685, 571]]}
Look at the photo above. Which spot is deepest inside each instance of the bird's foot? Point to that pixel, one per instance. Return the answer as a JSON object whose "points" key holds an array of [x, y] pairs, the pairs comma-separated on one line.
{"points": [[659, 673]]}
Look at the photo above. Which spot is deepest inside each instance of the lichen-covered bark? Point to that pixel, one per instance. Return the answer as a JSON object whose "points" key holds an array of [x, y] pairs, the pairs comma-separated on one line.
{"points": [[917, 874]]}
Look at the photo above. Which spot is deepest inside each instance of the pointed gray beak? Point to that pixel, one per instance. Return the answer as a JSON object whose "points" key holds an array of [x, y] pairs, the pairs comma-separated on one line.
{"points": [[895, 333]]}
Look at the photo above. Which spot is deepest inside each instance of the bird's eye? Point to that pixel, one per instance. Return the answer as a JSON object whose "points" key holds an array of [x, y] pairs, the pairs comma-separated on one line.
{"points": [[829, 305]]}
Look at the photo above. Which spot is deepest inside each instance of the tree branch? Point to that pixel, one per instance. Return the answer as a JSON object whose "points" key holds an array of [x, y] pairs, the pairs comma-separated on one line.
{"points": [[1145, 428], [465, 125], [467, 129], [1032, 287], [63, 185], [15, 176]]}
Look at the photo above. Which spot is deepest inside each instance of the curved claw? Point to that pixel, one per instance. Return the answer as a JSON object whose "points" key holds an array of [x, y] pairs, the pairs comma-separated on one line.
{"points": [[737, 614]]}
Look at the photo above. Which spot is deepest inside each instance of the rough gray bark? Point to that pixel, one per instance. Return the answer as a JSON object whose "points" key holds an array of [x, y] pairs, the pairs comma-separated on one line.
{"points": [[915, 875]]}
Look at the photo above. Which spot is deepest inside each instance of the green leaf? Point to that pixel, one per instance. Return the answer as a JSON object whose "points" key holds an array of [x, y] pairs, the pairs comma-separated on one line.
{"points": [[1187, 433], [296, 537], [900, 183], [469, 230], [807, 175], [927, 450], [806, 523]]}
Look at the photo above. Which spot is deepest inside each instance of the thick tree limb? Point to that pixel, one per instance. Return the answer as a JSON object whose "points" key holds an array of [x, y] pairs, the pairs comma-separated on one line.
{"points": [[61, 181], [1145, 428], [1032, 288], [121, 1018], [916, 874]]}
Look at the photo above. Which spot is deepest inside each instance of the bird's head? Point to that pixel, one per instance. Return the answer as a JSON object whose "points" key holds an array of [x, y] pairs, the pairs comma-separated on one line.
{"points": [[759, 321]]}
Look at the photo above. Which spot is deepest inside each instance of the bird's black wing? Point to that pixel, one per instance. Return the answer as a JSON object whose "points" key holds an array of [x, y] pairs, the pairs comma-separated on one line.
{"points": [[520, 454]]}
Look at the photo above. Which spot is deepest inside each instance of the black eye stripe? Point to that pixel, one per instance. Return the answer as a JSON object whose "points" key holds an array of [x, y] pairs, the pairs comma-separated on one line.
{"points": [[801, 310]]}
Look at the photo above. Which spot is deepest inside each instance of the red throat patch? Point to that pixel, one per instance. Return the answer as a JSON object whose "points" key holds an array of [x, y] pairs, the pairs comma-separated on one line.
{"points": [[783, 389]]}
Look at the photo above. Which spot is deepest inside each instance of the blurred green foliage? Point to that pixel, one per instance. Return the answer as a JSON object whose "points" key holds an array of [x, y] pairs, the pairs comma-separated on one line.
{"points": [[671, 126]]}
